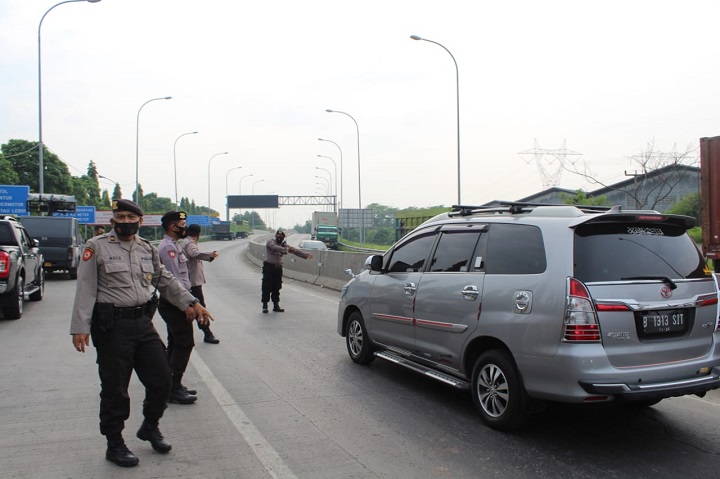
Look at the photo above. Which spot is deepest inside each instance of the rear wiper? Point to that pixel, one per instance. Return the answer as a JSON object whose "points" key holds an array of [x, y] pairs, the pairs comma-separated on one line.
{"points": [[665, 279]]}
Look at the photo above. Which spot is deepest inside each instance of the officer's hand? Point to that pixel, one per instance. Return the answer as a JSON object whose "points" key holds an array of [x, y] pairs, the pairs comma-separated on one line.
{"points": [[203, 315], [80, 341]]}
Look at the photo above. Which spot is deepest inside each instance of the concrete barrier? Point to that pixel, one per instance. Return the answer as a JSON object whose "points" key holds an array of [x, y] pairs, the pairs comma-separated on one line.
{"points": [[326, 268]]}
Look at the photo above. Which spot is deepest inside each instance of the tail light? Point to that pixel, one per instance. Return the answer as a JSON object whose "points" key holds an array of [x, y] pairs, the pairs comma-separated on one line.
{"points": [[4, 265], [581, 322], [70, 254]]}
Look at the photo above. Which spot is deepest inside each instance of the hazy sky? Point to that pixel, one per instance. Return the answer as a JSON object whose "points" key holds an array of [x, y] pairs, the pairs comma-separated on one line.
{"points": [[255, 79]]}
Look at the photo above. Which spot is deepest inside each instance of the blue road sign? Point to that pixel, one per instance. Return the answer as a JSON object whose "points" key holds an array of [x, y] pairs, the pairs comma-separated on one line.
{"points": [[84, 214], [13, 200], [201, 220]]}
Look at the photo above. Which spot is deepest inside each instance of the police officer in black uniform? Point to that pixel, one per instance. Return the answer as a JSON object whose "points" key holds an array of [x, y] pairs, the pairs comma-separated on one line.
{"points": [[116, 280]]}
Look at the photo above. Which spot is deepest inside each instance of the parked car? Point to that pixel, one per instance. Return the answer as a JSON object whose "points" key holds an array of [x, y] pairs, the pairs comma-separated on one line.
{"points": [[60, 241], [21, 270], [312, 244], [522, 304]]}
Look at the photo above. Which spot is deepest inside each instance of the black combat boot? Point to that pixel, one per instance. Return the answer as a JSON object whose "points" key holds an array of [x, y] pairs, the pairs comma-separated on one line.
{"points": [[265, 308], [277, 308], [209, 336], [178, 394], [149, 432], [118, 452]]}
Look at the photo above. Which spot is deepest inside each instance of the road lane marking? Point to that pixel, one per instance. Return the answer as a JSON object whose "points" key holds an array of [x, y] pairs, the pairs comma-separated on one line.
{"points": [[262, 449]]}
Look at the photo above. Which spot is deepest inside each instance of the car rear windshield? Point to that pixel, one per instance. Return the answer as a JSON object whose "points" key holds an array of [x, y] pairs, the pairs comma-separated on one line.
{"points": [[49, 231], [617, 251], [6, 235]]}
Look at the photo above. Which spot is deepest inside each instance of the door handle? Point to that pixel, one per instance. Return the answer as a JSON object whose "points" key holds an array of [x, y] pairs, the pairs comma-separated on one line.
{"points": [[470, 292], [410, 289]]}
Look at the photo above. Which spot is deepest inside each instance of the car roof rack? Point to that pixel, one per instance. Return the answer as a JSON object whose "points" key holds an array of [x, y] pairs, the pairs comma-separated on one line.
{"points": [[516, 207]]}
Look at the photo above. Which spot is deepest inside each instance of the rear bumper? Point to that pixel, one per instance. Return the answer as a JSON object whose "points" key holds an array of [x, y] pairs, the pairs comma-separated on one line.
{"points": [[635, 392]]}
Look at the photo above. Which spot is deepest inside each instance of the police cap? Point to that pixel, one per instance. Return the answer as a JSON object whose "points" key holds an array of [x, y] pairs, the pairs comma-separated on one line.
{"points": [[126, 205], [194, 230], [171, 216]]}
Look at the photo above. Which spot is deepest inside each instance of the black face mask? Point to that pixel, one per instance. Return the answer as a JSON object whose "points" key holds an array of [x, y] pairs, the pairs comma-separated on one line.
{"points": [[126, 229], [181, 231]]}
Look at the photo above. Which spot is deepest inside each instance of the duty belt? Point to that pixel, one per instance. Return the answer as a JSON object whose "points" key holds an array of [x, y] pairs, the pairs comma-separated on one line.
{"points": [[132, 312]]}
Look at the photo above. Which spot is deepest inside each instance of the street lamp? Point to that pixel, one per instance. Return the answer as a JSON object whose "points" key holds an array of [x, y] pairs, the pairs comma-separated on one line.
{"points": [[41, 176], [137, 145], [341, 171], [362, 215], [336, 179], [216, 154], [330, 190], [457, 107], [177, 205], [227, 203], [240, 183], [253, 186]]}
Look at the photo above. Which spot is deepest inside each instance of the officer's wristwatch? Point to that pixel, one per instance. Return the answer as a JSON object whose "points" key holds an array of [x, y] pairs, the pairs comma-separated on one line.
{"points": [[194, 302]]}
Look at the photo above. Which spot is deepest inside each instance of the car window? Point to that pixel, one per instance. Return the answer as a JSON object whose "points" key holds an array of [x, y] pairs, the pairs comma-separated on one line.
{"points": [[410, 256], [515, 249], [454, 250], [6, 235], [614, 251]]}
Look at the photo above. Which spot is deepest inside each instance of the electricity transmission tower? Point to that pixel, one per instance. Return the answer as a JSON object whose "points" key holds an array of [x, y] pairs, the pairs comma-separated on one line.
{"points": [[550, 163]]}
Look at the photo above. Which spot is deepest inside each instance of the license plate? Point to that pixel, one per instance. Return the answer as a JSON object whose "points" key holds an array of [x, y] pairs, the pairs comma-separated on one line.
{"points": [[664, 322]]}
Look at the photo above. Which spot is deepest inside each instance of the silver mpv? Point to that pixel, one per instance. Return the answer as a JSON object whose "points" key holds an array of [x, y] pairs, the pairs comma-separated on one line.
{"points": [[525, 303]]}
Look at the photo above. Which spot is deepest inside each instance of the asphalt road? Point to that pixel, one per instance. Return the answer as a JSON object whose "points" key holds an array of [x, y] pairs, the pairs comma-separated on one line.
{"points": [[279, 398]]}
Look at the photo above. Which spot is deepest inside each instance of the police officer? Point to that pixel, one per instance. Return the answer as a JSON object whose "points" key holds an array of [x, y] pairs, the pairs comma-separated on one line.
{"points": [[116, 279], [180, 341], [275, 249], [197, 273]]}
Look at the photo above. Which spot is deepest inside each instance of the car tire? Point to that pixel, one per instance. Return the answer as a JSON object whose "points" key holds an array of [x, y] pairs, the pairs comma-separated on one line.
{"points": [[357, 340], [497, 391], [18, 298], [73, 273], [38, 295]]}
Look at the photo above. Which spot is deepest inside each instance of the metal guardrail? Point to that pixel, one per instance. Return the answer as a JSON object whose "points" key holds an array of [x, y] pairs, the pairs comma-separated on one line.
{"points": [[357, 249]]}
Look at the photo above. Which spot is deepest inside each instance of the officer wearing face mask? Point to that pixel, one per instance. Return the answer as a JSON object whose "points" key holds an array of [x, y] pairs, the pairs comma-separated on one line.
{"points": [[180, 340], [275, 249], [116, 278]]}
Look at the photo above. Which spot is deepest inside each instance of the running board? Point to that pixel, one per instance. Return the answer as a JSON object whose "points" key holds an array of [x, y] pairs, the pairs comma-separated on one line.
{"points": [[419, 368]]}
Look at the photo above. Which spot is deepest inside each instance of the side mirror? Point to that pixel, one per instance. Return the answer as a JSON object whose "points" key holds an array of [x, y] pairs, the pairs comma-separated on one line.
{"points": [[36, 243], [350, 273], [376, 262]]}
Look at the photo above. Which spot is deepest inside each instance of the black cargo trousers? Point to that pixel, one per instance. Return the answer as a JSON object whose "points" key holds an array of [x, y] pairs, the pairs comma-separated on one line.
{"points": [[180, 341], [271, 282], [123, 345]]}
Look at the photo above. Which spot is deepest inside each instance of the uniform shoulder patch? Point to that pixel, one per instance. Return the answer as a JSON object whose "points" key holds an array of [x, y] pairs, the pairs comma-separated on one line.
{"points": [[171, 254], [88, 253]]}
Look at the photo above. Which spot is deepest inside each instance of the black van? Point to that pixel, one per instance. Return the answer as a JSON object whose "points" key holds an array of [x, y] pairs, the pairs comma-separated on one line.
{"points": [[60, 241]]}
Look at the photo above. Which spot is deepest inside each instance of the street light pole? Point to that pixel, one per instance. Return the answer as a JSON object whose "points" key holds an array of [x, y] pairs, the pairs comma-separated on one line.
{"points": [[330, 190], [240, 183], [216, 154], [177, 205], [41, 174], [227, 203], [137, 145], [362, 215], [457, 108], [341, 171], [336, 179]]}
